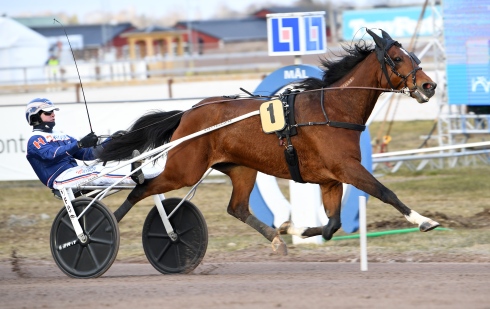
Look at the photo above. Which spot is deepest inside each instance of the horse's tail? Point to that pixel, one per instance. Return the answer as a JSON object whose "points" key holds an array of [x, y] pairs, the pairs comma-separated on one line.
{"points": [[150, 131]]}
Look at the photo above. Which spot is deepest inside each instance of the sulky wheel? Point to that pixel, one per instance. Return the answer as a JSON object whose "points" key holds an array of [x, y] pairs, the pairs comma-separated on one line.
{"points": [[93, 258], [183, 254]]}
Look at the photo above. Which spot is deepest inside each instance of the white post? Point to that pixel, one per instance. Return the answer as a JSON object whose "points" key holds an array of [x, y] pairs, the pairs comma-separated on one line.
{"points": [[305, 200], [362, 232]]}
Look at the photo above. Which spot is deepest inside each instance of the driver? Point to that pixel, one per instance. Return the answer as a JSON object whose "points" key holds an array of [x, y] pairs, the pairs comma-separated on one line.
{"points": [[53, 154]]}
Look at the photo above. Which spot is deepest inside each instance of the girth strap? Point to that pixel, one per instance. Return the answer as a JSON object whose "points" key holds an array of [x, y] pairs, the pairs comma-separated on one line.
{"points": [[291, 129], [293, 164], [335, 124]]}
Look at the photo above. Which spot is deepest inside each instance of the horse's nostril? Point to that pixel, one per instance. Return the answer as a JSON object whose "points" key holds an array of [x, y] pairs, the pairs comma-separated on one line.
{"points": [[429, 86]]}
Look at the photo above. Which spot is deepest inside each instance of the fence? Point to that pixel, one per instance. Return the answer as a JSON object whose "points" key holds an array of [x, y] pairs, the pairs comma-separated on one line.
{"points": [[141, 69]]}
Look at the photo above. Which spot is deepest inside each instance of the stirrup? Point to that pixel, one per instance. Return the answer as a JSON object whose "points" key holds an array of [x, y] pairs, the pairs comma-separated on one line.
{"points": [[137, 176]]}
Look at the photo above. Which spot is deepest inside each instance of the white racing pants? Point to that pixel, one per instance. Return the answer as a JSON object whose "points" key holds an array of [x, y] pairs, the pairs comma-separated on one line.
{"points": [[75, 175]]}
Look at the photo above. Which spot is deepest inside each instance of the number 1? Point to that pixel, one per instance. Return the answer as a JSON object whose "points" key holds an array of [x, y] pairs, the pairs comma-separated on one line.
{"points": [[271, 113]]}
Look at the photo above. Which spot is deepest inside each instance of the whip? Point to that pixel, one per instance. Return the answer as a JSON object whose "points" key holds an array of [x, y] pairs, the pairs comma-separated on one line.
{"points": [[81, 86]]}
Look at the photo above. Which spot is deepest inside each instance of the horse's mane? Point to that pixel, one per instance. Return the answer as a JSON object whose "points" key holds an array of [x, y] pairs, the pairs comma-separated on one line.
{"points": [[333, 70]]}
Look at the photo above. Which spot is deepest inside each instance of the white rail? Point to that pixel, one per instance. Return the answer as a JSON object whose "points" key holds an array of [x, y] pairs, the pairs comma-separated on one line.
{"points": [[424, 150]]}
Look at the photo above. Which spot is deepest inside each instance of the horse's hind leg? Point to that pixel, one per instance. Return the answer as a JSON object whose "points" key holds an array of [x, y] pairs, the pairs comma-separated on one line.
{"points": [[243, 180]]}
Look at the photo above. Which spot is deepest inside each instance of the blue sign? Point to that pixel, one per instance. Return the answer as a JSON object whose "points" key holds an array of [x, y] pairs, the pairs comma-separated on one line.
{"points": [[285, 35], [296, 33], [315, 34], [467, 47], [398, 22]]}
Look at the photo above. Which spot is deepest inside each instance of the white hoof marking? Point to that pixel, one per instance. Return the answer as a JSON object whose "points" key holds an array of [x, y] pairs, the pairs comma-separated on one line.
{"points": [[296, 231]]}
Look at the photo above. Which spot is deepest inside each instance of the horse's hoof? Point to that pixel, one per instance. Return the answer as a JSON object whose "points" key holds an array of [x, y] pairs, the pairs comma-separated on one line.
{"points": [[283, 229], [428, 226], [279, 246], [332, 226]]}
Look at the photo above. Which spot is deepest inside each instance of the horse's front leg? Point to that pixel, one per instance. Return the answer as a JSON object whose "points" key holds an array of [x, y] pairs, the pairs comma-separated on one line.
{"points": [[243, 180], [356, 175], [332, 200]]}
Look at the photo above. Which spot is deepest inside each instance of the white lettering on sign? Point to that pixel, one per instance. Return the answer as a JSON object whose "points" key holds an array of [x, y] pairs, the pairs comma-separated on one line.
{"points": [[398, 27], [295, 74], [480, 81]]}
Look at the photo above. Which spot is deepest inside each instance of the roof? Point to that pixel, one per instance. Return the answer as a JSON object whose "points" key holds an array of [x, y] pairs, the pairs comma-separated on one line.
{"points": [[36, 21], [151, 29], [230, 30], [14, 34], [20, 47], [287, 9], [154, 32], [93, 35]]}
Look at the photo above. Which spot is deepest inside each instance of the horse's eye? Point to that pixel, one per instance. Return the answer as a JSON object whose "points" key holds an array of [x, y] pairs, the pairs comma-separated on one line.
{"points": [[398, 59]]}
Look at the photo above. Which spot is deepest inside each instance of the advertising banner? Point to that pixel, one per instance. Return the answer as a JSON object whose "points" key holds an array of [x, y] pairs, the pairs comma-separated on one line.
{"points": [[398, 22], [467, 41]]}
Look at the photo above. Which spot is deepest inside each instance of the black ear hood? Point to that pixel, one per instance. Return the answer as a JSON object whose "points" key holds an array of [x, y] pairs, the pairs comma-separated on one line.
{"points": [[382, 44], [389, 41]]}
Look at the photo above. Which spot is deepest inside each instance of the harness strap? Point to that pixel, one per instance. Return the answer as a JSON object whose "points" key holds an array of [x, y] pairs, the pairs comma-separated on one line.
{"points": [[291, 129], [335, 124], [290, 118], [385, 71], [293, 164]]}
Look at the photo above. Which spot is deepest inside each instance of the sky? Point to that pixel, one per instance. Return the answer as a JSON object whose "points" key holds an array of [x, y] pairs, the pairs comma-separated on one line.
{"points": [[203, 9], [181, 9]]}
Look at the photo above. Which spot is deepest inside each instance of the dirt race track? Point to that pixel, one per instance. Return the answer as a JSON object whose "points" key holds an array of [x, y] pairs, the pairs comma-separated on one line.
{"points": [[253, 285]]}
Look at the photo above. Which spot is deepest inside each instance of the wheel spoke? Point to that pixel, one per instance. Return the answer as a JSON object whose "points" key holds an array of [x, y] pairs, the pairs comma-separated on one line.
{"points": [[96, 225], [68, 223], [92, 255], [77, 257], [96, 240], [84, 220], [194, 248], [157, 235], [177, 256], [182, 232], [85, 215], [180, 214], [165, 249]]}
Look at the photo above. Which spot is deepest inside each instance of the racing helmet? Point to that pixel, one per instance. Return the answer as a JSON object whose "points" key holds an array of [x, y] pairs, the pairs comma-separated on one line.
{"points": [[35, 106]]}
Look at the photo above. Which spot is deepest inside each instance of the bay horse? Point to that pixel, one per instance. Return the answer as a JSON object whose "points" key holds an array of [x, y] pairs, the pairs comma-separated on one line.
{"points": [[328, 153]]}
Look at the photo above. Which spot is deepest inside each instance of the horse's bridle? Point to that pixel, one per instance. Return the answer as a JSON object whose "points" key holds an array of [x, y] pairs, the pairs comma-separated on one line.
{"points": [[388, 61]]}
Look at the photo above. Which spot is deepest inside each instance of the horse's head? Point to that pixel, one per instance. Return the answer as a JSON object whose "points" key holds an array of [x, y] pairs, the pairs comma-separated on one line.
{"points": [[404, 66]]}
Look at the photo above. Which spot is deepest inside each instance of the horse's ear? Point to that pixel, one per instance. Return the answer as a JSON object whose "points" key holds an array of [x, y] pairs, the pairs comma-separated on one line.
{"points": [[380, 46], [386, 35], [379, 41]]}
